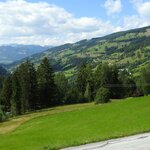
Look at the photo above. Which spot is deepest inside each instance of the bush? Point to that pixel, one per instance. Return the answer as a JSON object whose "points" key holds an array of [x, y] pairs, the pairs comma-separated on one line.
{"points": [[102, 95]]}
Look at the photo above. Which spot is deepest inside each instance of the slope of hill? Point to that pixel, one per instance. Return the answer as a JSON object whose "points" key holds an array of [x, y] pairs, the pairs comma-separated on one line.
{"points": [[11, 53], [75, 124], [129, 49]]}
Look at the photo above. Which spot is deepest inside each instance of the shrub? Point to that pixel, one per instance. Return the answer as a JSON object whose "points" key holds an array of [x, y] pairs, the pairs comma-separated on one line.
{"points": [[102, 95]]}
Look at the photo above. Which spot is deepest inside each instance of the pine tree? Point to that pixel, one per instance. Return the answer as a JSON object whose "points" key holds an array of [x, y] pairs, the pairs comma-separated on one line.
{"points": [[33, 87], [90, 82], [6, 93], [107, 76], [28, 83], [16, 94], [100, 75], [62, 86], [114, 82], [82, 79], [46, 84], [24, 84]]}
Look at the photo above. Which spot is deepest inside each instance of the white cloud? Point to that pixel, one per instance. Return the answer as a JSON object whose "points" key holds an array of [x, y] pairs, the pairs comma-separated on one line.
{"points": [[113, 6], [144, 10], [142, 18], [41, 23]]}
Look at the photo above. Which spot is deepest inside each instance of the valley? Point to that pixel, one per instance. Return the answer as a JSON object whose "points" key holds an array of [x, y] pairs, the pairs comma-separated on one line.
{"points": [[128, 49]]}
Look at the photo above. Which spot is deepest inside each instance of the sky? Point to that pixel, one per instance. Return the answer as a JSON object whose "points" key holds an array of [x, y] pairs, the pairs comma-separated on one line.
{"points": [[56, 22]]}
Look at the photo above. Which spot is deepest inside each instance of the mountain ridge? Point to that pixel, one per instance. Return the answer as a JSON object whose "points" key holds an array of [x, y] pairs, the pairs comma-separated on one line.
{"points": [[13, 52], [128, 49]]}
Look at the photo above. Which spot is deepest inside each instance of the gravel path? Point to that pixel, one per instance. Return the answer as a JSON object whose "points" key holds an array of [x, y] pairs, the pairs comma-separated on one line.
{"points": [[136, 142]]}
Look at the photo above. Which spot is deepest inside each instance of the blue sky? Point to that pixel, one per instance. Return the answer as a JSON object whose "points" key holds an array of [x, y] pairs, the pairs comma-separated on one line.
{"points": [[91, 8], [55, 22]]}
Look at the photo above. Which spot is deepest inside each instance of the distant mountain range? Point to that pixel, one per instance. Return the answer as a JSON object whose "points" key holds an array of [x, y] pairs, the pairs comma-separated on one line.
{"points": [[14, 52], [129, 49]]}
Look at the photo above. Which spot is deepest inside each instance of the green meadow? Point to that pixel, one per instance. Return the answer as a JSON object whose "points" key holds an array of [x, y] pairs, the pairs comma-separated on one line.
{"points": [[71, 125]]}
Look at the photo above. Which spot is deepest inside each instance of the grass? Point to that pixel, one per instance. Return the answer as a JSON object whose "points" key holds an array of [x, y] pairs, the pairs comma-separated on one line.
{"points": [[15, 122], [78, 124]]}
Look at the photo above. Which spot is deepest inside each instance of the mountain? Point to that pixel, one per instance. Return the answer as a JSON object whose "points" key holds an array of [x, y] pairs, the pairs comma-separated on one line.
{"points": [[14, 52], [129, 49]]}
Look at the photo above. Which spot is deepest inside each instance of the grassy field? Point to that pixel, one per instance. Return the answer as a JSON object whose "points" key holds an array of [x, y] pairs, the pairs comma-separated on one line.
{"points": [[76, 124]]}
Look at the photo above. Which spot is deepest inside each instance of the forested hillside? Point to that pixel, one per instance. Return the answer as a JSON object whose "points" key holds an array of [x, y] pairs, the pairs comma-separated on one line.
{"points": [[128, 49], [29, 88]]}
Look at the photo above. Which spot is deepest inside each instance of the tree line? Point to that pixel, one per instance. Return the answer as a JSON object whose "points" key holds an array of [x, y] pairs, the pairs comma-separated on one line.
{"points": [[28, 89]]}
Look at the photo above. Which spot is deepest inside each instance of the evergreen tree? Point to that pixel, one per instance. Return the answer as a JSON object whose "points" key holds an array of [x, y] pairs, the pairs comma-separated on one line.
{"points": [[85, 83], [33, 87], [114, 82], [97, 75], [128, 84], [102, 76], [62, 86], [2, 78], [24, 85], [16, 94], [3, 73], [107, 76], [46, 84], [6, 93], [73, 95], [90, 83], [145, 78], [82, 79], [28, 83]]}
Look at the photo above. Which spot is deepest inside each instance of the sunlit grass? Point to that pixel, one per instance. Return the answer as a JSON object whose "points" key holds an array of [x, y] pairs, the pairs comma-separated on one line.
{"points": [[80, 124]]}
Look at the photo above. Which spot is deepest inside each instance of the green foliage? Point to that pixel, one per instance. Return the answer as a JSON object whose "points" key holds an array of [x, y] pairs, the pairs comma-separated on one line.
{"points": [[107, 76], [45, 78], [73, 95], [62, 86], [2, 116], [2, 78], [28, 83], [145, 80], [6, 93], [102, 95], [25, 89], [129, 86], [28, 89], [3, 73], [82, 79], [16, 94], [88, 93]]}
